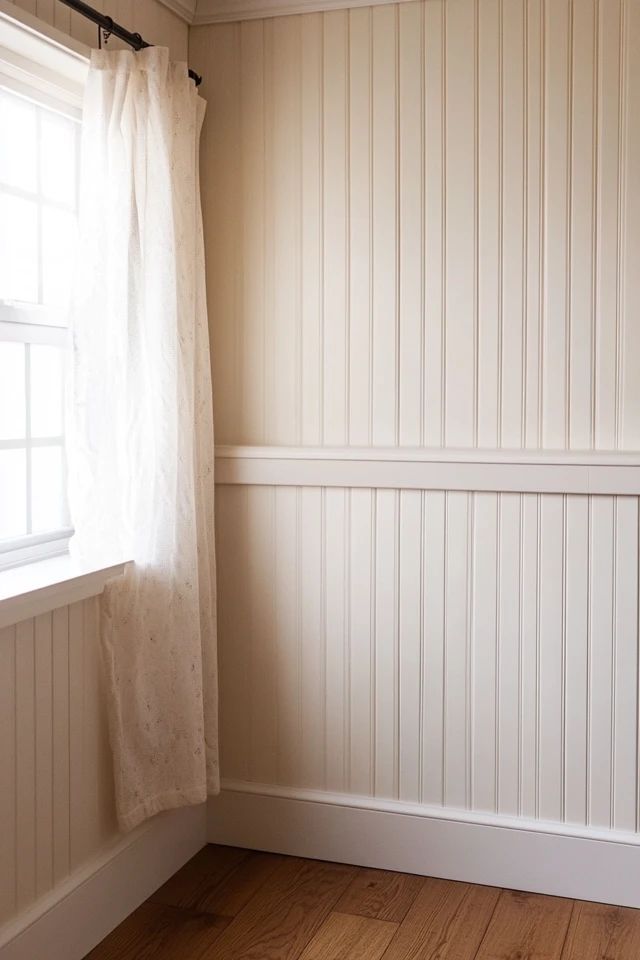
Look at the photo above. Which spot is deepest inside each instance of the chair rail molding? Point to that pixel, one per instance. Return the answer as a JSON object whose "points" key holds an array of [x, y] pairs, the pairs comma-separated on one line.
{"points": [[414, 468]]}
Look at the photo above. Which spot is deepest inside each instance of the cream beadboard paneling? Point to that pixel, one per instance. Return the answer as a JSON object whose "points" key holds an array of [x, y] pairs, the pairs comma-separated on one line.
{"points": [[422, 233], [152, 19], [477, 652], [422, 227], [56, 793]]}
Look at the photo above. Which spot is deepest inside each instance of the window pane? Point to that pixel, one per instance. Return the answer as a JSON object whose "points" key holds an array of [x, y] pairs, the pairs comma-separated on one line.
{"points": [[12, 392], [58, 250], [47, 489], [13, 493], [18, 249], [46, 391], [58, 158], [18, 144]]}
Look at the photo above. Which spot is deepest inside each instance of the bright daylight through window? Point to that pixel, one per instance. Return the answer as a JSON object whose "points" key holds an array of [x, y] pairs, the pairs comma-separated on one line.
{"points": [[38, 197]]}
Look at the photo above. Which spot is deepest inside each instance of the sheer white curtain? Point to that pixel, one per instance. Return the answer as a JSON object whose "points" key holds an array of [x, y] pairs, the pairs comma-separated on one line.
{"points": [[141, 433]]}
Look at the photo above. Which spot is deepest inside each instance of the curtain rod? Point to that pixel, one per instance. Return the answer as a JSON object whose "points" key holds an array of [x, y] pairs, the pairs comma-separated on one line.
{"points": [[114, 29]]}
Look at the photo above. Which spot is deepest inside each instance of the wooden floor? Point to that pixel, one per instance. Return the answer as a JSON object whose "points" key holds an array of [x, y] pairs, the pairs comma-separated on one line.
{"points": [[231, 904]]}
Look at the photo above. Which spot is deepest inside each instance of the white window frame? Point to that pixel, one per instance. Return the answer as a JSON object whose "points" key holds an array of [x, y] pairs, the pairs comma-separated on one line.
{"points": [[50, 69]]}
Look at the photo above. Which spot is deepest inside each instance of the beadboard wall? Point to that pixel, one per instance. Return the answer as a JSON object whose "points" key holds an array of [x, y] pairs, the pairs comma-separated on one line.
{"points": [[155, 22], [422, 231], [423, 226], [56, 793]]}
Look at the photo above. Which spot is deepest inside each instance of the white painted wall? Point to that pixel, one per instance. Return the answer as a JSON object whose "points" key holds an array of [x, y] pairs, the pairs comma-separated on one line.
{"points": [[422, 229]]}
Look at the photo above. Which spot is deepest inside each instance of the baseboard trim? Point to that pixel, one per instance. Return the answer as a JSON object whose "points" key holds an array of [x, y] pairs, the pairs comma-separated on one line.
{"points": [[69, 921], [494, 854]]}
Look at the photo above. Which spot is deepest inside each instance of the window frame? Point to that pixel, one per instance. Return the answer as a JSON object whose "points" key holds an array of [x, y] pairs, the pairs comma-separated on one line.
{"points": [[46, 70]]}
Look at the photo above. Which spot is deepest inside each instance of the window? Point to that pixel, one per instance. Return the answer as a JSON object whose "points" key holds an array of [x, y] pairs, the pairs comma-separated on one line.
{"points": [[38, 198]]}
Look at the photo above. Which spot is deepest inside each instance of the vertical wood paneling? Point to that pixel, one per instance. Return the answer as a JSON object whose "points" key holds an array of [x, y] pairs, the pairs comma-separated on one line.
{"points": [[434, 585], [490, 136], [385, 639], [287, 663], [576, 681], [385, 213], [335, 220], [360, 225], [606, 226], [25, 768], [44, 752], [336, 592], [460, 230], [60, 733], [312, 310], [455, 650], [285, 185], [624, 744], [56, 795], [530, 657], [312, 667], [558, 53], [362, 664], [435, 222], [549, 772], [582, 211], [410, 642], [8, 761], [465, 650], [601, 660], [512, 228], [261, 551], [509, 653], [485, 653], [411, 222], [630, 237], [252, 95], [439, 224]]}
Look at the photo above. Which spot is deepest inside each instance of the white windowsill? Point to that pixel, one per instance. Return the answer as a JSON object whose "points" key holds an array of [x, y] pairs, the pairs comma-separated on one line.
{"points": [[42, 586]]}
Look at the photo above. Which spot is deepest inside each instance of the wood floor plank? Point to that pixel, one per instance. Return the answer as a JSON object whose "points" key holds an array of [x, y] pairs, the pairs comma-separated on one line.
{"points": [[381, 894], [345, 936], [218, 880], [282, 917], [158, 932], [527, 925], [446, 921], [602, 932]]}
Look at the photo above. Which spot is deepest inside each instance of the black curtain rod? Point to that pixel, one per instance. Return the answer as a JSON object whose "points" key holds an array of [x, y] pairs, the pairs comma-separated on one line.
{"points": [[114, 29]]}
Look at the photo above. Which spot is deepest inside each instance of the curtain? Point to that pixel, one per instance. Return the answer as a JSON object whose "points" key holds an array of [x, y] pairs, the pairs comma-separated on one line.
{"points": [[141, 430]]}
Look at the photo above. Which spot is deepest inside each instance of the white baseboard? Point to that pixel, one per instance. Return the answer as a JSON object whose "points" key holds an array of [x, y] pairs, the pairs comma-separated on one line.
{"points": [[554, 861], [68, 922]]}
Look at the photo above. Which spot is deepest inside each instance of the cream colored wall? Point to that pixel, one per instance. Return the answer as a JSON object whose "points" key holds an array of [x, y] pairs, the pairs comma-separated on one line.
{"points": [[155, 22], [423, 228], [56, 792], [422, 224]]}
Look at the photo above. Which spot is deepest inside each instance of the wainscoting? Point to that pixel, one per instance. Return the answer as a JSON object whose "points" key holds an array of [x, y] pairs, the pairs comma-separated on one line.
{"points": [[466, 656], [57, 807], [67, 876]]}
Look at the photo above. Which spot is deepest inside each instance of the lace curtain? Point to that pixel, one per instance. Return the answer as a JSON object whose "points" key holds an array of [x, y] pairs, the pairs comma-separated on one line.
{"points": [[141, 432]]}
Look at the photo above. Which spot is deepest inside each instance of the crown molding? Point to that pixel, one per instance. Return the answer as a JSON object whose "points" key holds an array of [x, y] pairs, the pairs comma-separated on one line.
{"points": [[226, 11], [185, 9]]}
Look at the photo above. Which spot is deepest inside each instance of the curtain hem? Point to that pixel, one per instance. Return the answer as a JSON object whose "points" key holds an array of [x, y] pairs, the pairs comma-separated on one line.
{"points": [[168, 800]]}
